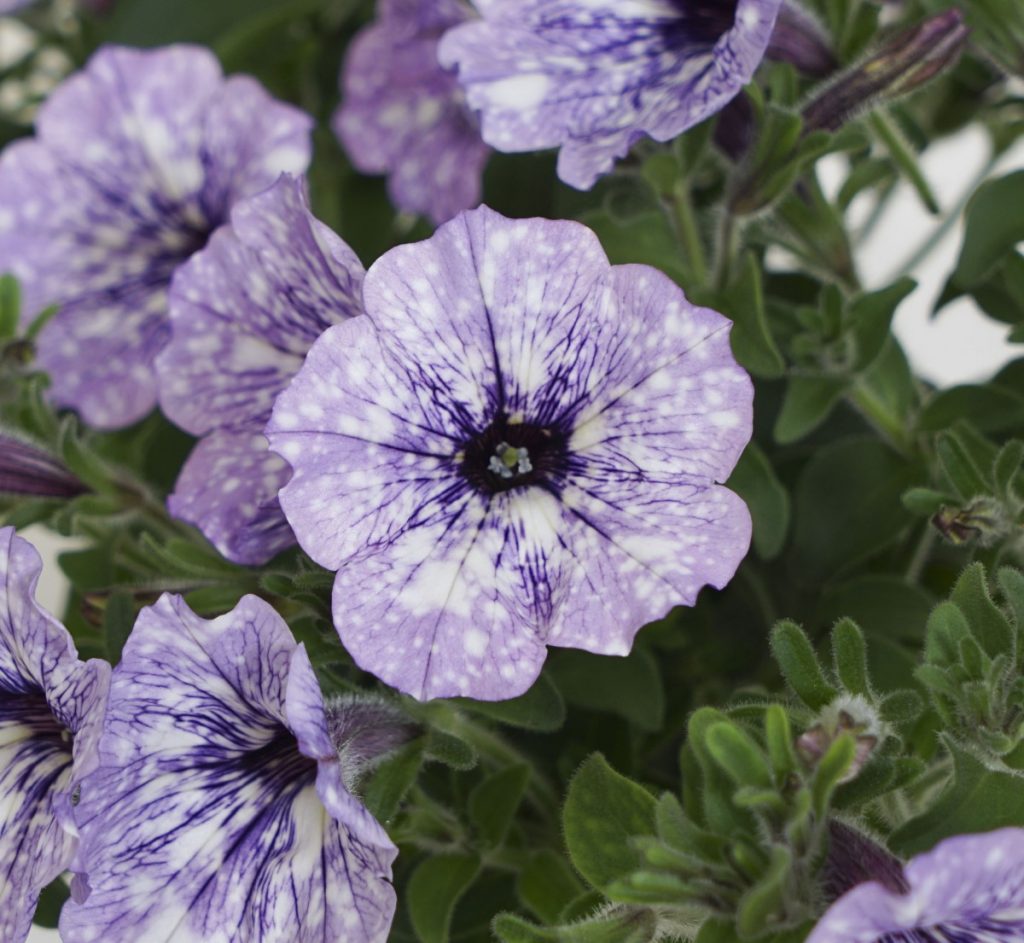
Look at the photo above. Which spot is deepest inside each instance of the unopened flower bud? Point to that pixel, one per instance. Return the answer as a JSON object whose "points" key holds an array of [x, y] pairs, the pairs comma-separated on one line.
{"points": [[853, 858], [799, 39], [852, 715], [25, 469], [365, 730], [905, 63]]}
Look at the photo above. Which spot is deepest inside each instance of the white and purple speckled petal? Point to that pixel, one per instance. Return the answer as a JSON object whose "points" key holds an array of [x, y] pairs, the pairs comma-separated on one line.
{"points": [[228, 489], [245, 310], [404, 116], [593, 76], [51, 706], [137, 159], [968, 889], [205, 819], [518, 445]]}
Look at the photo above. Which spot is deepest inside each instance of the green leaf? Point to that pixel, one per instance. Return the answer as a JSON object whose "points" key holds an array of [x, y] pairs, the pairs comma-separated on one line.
{"points": [[848, 505], [388, 784], [992, 229], [547, 885], [450, 750], [807, 404], [1006, 468], [51, 901], [850, 655], [541, 708], [10, 306], [794, 654], [988, 408], [626, 925], [988, 625], [630, 687], [434, 891], [978, 799], [738, 755], [603, 811], [493, 803], [765, 899], [871, 315], [755, 481], [779, 741], [751, 337], [118, 621]]}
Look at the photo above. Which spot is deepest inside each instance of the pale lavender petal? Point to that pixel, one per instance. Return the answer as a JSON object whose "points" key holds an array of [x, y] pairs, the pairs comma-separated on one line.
{"points": [[244, 311], [50, 709], [207, 819], [404, 116], [968, 889], [593, 76], [137, 159], [228, 489], [518, 446]]}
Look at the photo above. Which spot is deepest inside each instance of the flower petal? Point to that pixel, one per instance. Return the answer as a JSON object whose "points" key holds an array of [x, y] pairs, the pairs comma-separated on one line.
{"points": [[968, 888], [137, 159], [48, 698], [228, 489], [403, 115], [592, 77], [245, 310], [205, 821]]}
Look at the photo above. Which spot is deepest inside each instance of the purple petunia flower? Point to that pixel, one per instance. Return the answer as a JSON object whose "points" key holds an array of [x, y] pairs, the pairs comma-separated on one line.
{"points": [[219, 810], [517, 446], [50, 709], [593, 76], [968, 889], [136, 160], [404, 116], [244, 311]]}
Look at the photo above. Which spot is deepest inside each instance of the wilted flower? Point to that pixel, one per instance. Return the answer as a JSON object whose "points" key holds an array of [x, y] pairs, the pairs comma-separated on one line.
{"points": [[244, 311], [593, 77], [516, 446], [136, 160], [403, 115], [218, 810], [968, 889], [50, 709]]}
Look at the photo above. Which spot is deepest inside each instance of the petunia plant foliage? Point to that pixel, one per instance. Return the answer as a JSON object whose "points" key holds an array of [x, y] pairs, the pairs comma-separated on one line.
{"points": [[463, 478]]}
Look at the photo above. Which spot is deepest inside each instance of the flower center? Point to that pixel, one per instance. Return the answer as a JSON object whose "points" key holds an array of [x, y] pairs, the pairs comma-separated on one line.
{"points": [[511, 453]]}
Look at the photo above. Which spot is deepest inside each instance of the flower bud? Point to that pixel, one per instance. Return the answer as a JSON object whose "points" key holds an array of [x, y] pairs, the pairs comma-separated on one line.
{"points": [[904, 64], [27, 470], [799, 39], [844, 715], [853, 858]]}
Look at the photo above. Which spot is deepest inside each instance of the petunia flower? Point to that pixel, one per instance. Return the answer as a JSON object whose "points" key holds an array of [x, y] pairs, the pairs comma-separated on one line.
{"points": [[968, 889], [593, 76], [51, 705], [403, 115], [244, 311], [136, 160], [219, 810], [517, 446]]}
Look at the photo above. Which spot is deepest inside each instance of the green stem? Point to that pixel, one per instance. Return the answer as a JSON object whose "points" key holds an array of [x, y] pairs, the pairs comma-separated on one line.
{"points": [[922, 552], [684, 222], [905, 157]]}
